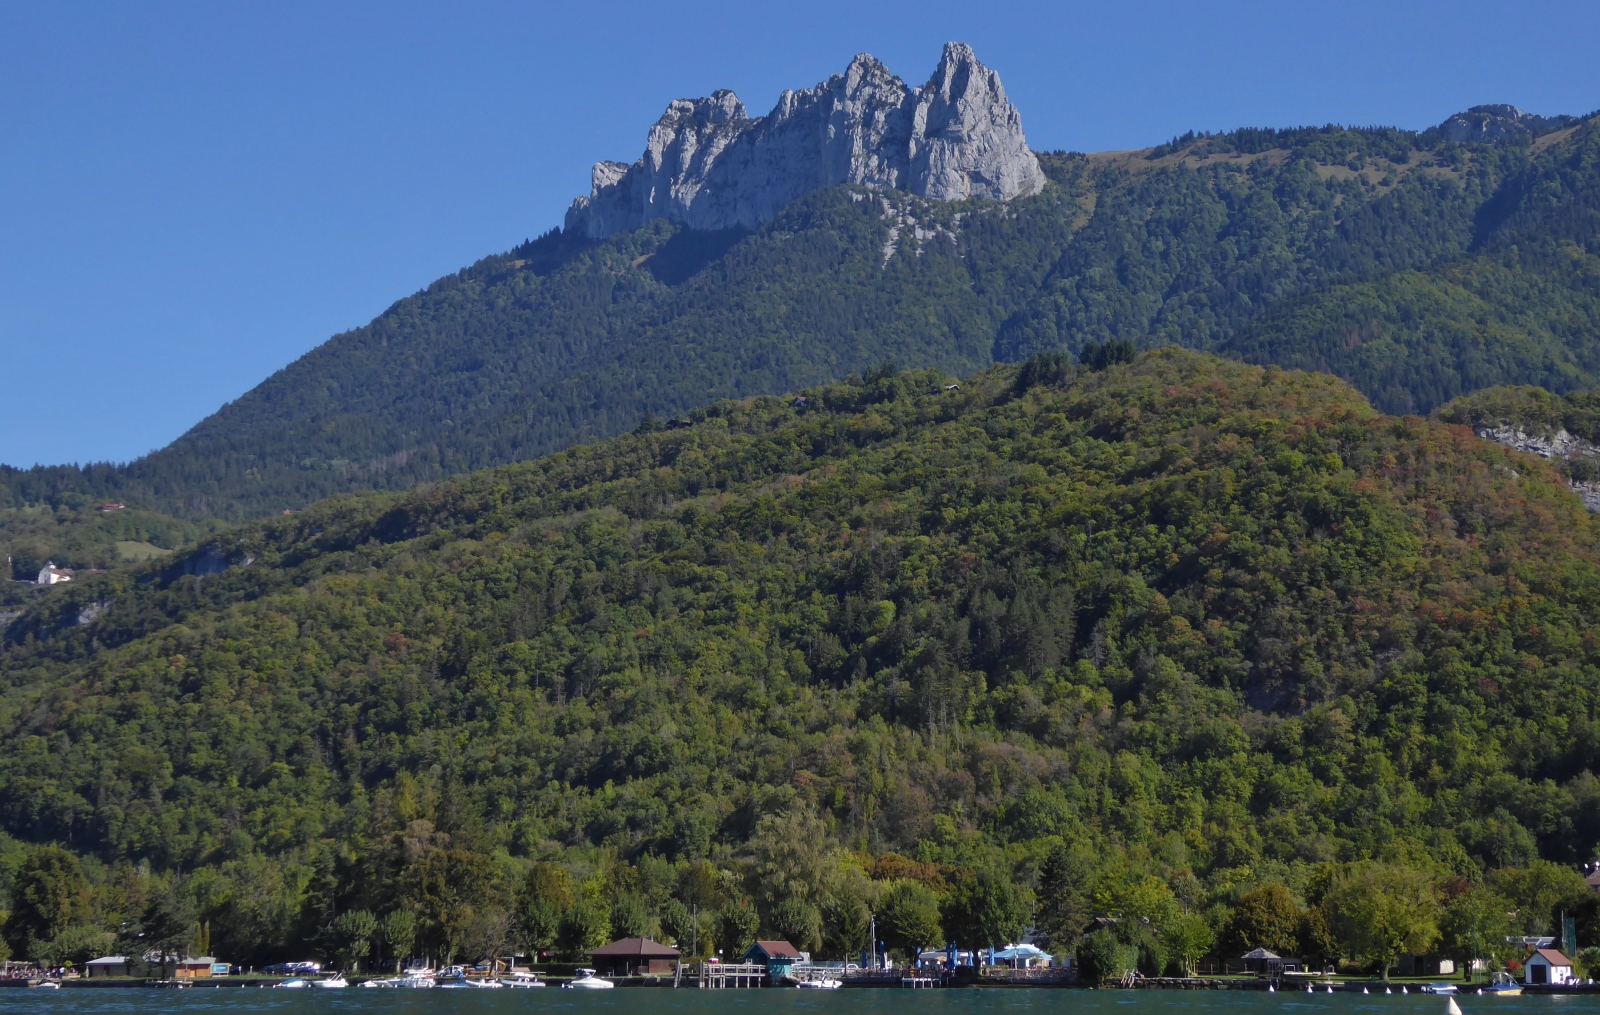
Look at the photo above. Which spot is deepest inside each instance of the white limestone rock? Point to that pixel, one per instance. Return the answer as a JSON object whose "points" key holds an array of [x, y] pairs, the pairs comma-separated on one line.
{"points": [[1559, 445], [708, 165]]}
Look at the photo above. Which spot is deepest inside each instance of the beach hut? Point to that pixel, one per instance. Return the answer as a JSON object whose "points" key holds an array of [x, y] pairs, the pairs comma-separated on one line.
{"points": [[1546, 965]]}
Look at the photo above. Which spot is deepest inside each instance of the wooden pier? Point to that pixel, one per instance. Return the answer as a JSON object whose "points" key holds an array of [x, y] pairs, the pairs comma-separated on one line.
{"points": [[724, 975]]}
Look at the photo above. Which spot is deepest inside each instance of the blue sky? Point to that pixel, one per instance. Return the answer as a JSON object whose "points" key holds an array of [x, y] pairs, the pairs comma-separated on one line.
{"points": [[192, 195]]}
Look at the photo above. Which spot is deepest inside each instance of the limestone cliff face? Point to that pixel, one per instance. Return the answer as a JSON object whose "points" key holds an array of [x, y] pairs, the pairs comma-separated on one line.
{"points": [[709, 165]]}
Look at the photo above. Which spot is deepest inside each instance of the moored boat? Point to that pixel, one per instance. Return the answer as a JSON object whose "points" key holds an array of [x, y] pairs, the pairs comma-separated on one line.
{"points": [[523, 978], [1501, 985], [588, 981]]}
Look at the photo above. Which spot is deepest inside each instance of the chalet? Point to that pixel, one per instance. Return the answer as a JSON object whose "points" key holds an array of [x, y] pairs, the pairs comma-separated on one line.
{"points": [[635, 956], [779, 956], [1546, 965], [1593, 880], [52, 575]]}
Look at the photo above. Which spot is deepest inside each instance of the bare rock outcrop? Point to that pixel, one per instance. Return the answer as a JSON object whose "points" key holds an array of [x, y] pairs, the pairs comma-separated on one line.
{"points": [[708, 165], [1500, 124], [1559, 446]]}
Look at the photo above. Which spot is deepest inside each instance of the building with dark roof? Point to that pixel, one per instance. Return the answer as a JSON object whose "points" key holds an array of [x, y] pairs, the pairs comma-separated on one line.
{"points": [[635, 956]]}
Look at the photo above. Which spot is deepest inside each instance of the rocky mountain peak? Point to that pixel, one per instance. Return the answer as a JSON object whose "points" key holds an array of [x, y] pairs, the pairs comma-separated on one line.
{"points": [[710, 166], [1499, 123]]}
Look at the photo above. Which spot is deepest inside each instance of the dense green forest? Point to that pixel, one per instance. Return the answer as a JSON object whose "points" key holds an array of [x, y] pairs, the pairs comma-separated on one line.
{"points": [[1417, 268], [1212, 648]]}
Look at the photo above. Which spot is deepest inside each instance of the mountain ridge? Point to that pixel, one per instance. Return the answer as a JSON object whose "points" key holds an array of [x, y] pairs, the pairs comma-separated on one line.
{"points": [[1225, 242]]}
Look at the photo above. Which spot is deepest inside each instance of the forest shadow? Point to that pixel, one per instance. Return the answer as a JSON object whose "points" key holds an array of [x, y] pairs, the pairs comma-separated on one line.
{"points": [[689, 251]]}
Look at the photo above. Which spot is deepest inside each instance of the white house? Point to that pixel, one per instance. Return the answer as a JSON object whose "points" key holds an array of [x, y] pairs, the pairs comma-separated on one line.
{"points": [[1546, 965], [50, 574]]}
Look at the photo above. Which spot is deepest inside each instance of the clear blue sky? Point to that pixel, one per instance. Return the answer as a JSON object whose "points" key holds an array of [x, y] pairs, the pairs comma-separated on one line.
{"points": [[192, 195]]}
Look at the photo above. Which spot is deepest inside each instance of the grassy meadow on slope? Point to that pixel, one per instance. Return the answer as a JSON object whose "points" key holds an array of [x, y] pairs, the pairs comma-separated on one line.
{"points": [[1182, 636]]}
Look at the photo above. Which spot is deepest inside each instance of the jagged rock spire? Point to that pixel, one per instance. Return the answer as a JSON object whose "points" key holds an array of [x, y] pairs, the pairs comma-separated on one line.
{"points": [[707, 164]]}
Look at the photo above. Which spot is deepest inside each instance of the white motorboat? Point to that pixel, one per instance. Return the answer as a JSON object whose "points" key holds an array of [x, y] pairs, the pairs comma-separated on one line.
{"points": [[826, 983], [1501, 985], [295, 984], [46, 985], [334, 982], [523, 978], [1439, 988], [588, 981]]}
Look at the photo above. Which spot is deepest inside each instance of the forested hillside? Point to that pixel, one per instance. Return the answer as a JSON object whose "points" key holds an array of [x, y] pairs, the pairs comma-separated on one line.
{"points": [[1418, 268], [1182, 639]]}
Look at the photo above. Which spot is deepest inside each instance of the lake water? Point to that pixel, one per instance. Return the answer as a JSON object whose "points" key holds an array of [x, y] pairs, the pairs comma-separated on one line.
{"points": [[655, 1001]]}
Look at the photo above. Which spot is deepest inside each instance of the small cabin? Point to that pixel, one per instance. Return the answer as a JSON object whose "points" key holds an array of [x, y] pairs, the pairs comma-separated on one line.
{"points": [[108, 965], [1546, 965], [635, 956], [779, 957], [196, 969]]}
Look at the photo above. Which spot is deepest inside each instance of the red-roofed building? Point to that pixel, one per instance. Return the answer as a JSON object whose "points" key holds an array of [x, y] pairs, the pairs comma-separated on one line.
{"points": [[1546, 965], [779, 956]]}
